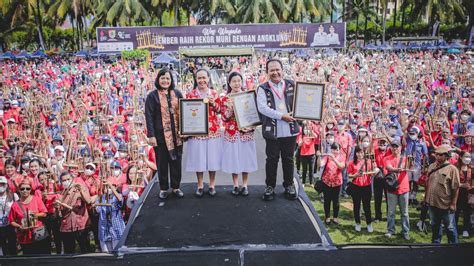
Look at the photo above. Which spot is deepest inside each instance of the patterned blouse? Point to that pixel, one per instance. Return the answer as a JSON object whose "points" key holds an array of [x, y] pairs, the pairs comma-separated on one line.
{"points": [[232, 132], [111, 224], [332, 175], [214, 124]]}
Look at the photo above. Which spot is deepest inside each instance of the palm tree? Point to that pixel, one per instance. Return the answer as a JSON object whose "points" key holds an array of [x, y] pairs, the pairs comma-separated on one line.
{"points": [[354, 9], [469, 6], [368, 13], [310, 8], [77, 12], [21, 11], [258, 11], [437, 8], [384, 4]]}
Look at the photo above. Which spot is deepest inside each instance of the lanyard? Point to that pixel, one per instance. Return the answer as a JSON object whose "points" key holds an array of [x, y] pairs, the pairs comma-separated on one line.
{"points": [[275, 91]]}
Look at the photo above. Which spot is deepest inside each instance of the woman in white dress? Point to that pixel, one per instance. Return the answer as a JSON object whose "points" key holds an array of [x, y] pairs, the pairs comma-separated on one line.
{"points": [[239, 150], [204, 153]]}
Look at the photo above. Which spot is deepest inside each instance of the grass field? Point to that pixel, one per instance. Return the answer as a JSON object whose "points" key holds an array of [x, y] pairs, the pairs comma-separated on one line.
{"points": [[344, 233]]}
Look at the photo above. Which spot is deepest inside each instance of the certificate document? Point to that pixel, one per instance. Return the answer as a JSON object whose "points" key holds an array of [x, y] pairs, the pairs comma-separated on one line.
{"points": [[193, 120], [245, 109], [308, 101]]}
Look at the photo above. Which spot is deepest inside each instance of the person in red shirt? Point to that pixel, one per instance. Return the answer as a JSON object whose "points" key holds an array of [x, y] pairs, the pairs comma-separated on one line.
{"points": [[75, 218], [332, 165], [396, 163], [48, 191], [307, 141], [24, 216], [381, 152], [359, 170]]}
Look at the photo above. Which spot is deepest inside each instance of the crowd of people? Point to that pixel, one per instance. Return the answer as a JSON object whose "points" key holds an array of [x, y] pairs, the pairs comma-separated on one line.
{"points": [[82, 138]]}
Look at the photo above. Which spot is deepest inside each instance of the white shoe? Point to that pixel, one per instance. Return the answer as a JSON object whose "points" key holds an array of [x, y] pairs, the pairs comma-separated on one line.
{"points": [[389, 235], [465, 234], [419, 224], [358, 227], [370, 229]]}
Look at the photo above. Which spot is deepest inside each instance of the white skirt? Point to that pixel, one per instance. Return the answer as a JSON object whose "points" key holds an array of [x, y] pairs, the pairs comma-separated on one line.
{"points": [[203, 155], [239, 157]]}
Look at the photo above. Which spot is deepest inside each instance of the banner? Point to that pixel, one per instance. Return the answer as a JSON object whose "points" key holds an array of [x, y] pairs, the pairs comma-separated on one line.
{"points": [[263, 36]]}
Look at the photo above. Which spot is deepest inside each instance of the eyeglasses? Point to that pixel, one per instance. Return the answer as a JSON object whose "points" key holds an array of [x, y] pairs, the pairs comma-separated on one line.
{"points": [[89, 168], [25, 189], [394, 146]]}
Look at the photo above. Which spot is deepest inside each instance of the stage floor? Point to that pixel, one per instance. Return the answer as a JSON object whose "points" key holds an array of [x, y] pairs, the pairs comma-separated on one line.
{"points": [[223, 220]]}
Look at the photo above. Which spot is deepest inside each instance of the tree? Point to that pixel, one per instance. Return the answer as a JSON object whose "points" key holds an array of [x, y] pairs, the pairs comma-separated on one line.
{"points": [[21, 11], [441, 9], [354, 9], [384, 4], [368, 13]]}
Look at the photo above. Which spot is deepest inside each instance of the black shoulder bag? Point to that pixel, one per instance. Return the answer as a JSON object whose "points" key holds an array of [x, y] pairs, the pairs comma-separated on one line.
{"points": [[38, 233], [391, 179]]}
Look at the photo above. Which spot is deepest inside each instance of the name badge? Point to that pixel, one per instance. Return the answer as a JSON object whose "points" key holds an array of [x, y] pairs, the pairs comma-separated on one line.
{"points": [[268, 128]]}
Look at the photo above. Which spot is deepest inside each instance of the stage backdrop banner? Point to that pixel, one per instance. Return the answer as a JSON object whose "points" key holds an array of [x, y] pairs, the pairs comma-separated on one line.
{"points": [[263, 36]]}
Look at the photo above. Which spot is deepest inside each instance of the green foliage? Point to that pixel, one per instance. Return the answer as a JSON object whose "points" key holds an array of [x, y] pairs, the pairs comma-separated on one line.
{"points": [[86, 15], [344, 233], [139, 54]]}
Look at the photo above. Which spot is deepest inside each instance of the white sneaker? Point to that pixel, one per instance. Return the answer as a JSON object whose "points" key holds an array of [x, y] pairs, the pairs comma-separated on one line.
{"points": [[419, 224], [370, 229], [358, 227], [389, 235], [465, 234]]}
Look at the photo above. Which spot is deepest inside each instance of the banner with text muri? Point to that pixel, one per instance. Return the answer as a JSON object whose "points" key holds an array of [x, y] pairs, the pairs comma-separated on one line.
{"points": [[264, 36]]}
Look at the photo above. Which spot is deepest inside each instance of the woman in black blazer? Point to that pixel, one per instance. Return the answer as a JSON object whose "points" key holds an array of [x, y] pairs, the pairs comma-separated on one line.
{"points": [[162, 115]]}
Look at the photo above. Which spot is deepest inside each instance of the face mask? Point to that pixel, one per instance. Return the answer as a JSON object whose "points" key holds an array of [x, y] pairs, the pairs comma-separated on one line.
{"points": [[29, 154], [330, 126], [464, 117], [67, 183], [340, 127], [89, 172], [82, 146], [134, 137], [466, 160], [117, 172], [26, 166], [53, 123], [330, 141], [106, 144], [365, 144], [3, 189], [383, 147], [130, 118], [123, 154], [336, 111], [109, 191], [392, 131], [119, 135], [413, 137], [353, 127]]}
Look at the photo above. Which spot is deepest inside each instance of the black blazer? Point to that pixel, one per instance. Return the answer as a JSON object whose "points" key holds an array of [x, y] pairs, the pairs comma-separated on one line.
{"points": [[154, 124]]}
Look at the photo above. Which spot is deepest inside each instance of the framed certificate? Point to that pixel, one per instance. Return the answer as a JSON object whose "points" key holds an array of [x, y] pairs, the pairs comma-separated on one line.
{"points": [[245, 109], [193, 119], [308, 101]]}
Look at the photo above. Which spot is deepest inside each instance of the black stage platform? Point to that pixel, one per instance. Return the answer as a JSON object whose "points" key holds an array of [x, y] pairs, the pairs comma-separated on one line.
{"points": [[445, 255], [224, 220]]}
